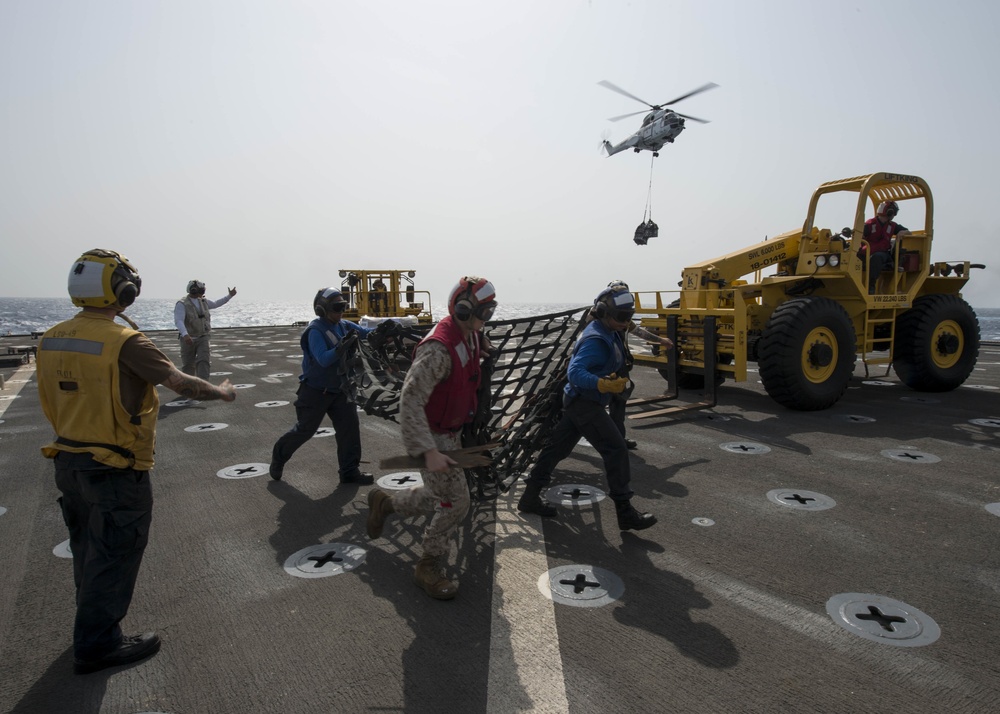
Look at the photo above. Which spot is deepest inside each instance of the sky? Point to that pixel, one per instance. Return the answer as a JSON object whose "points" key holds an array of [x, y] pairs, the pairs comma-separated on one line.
{"points": [[269, 145]]}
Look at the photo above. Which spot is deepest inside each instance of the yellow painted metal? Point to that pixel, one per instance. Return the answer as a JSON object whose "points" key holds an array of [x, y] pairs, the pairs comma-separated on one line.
{"points": [[384, 293], [819, 337], [732, 288], [947, 328]]}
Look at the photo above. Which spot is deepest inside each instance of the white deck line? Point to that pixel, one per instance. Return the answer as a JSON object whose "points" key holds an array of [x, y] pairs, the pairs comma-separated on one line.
{"points": [[12, 390], [526, 673]]}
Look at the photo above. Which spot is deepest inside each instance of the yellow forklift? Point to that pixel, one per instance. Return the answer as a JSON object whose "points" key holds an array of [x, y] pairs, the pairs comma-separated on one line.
{"points": [[806, 323], [385, 293]]}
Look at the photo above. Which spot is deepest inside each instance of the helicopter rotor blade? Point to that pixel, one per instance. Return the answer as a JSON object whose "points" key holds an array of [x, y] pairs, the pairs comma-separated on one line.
{"points": [[605, 135], [688, 116], [615, 88], [626, 116], [699, 90]]}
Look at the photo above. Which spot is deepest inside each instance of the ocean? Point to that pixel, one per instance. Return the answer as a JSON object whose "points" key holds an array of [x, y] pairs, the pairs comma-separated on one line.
{"points": [[22, 316]]}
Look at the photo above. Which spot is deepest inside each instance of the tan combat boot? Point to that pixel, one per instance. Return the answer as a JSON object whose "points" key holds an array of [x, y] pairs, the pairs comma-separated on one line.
{"points": [[430, 577], [379, 506]]}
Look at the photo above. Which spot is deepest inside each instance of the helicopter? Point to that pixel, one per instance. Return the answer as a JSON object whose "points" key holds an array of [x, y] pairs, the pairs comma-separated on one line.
{"points": [[661, 126]]}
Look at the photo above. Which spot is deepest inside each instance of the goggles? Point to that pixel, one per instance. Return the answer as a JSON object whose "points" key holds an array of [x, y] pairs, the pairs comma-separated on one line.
{"points": [[622, 315], [337, 306], [485, 311]]}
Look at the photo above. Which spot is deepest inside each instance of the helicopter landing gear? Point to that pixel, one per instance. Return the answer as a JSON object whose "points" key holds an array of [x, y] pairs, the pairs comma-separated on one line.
{"points": [[655, 154]]}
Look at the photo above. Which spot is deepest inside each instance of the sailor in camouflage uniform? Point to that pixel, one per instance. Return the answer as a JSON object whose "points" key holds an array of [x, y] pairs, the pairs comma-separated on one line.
{"points": [[439, 397]]}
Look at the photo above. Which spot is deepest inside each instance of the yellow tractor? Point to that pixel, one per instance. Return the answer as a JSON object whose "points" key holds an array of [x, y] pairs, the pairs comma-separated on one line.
{"points": [[385, 293], [806, 323]]}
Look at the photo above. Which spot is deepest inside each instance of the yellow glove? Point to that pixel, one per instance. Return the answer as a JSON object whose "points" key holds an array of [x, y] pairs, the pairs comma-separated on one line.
{"points": [[612, 384]]}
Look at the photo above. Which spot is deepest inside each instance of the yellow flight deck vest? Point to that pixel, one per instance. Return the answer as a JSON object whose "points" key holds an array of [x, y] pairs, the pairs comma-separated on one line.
{"points": [[78, 384]]}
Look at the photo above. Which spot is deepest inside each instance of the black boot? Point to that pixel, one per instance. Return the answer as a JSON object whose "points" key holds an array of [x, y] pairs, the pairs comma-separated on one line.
{"points": [[630, 519], [531, 502]]}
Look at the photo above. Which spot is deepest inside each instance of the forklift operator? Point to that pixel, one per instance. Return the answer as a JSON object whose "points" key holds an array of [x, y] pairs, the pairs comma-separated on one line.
{"points": [[880, 232]]}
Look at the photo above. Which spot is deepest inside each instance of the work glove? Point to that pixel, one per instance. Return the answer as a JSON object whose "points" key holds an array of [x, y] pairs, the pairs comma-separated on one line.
{"points": [[612, 384], [383, 333], [350, 340]]}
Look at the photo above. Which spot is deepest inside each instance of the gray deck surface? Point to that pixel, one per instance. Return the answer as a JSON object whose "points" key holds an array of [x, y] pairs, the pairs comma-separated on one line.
{"points": [[729, 617]]}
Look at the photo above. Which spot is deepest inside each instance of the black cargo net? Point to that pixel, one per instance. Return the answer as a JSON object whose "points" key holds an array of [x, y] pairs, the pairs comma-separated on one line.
{"points": [[520, 398]]}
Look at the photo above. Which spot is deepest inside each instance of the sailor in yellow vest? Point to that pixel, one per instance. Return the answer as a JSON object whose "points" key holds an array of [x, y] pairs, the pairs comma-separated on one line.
{"points": [[96, 383], [193, 320]]}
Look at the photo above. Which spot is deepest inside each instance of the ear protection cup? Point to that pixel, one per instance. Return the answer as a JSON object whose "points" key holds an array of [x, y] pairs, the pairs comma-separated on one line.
{"points": [[127, 291], [604, 303], [464, 307], [324, 299], [600, 304]]}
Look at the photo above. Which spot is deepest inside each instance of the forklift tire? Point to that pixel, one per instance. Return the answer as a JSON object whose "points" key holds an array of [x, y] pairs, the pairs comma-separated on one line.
{"points": [[936, 344], [807, 353]]}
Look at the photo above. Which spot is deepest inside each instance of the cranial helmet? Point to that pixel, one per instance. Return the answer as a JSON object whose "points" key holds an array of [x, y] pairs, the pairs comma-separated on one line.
{"points": [[472, 296], [618, 285], [614, 302], [196, 288], [888, 208], [326, 300], [103, 278]]}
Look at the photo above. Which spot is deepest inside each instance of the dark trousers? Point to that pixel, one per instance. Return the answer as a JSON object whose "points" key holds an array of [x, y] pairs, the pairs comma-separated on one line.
{"points": [[310, 408], [875, 267], [586, 418], [617, 407], [108, 513]]}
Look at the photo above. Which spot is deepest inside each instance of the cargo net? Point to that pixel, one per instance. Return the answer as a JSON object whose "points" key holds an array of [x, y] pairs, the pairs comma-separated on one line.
{"points": [[520, 397]]}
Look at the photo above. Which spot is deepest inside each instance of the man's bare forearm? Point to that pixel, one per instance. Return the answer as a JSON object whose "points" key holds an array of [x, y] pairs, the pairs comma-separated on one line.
{"points": [[192, 387]]}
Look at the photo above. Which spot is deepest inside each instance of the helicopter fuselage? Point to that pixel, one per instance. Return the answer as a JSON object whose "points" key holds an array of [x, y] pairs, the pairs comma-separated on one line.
{"points": [[660, 127]]}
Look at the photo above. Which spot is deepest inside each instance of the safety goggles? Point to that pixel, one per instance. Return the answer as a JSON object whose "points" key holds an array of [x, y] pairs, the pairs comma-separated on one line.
{"points": [[338, 306], [622, 315], [485, 311]]}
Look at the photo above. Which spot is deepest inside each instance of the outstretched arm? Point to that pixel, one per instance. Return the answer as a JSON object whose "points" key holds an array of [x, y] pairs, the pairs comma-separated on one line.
{"points": [[643, 334], [192, 387]]}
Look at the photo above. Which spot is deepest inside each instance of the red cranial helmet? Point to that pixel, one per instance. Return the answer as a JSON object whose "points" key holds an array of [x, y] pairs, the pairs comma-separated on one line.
{"points": [[471, 297], [888, 208]]}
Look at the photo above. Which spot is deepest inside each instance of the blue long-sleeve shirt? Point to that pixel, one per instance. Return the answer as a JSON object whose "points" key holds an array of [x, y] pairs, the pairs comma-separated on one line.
{"points": [[320, 353], [599, 353]]}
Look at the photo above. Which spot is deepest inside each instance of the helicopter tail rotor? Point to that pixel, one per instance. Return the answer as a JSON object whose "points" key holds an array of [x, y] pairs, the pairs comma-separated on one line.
{"points": [[603, 147]]}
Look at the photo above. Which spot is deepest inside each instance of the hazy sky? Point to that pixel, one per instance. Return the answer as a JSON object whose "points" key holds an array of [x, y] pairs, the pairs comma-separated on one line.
{"points": [[268, 145]]}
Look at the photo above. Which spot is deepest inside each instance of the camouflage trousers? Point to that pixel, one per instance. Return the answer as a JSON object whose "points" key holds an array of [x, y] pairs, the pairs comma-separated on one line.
{"points": [[444, 495]]}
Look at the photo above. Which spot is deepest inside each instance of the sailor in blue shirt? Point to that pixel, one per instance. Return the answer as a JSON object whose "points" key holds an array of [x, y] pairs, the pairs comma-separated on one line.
{"points": [[325, 388], [592, 378]]}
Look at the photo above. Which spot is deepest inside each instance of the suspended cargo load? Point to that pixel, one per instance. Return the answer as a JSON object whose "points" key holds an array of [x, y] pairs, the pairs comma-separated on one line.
{"points": [[644, 231]]}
